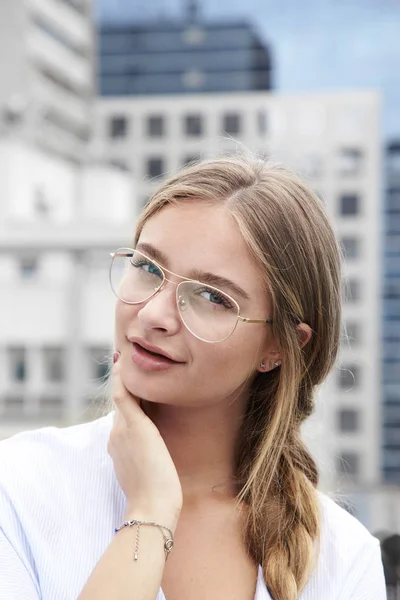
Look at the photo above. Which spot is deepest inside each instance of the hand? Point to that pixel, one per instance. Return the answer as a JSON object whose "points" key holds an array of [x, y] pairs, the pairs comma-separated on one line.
{"points": [[142, 463]]}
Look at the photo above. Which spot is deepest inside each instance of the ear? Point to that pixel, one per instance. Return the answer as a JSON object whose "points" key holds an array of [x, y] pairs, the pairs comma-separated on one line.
{"points": [[273, 359], [304, 333]]}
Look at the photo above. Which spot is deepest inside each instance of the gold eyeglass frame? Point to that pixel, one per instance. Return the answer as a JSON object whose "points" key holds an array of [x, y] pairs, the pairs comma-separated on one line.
{"points": [[130, 251]]}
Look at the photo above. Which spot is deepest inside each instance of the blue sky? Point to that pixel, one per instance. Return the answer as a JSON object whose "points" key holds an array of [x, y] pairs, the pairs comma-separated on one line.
{"points": [[317, 44]]}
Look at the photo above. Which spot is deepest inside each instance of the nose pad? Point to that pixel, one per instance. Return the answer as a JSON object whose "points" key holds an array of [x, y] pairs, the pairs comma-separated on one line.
{"points": [[182, 304]]}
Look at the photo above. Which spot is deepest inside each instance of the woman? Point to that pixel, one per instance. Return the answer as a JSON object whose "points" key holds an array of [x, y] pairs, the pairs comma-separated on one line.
{"points": [[201, 461]]}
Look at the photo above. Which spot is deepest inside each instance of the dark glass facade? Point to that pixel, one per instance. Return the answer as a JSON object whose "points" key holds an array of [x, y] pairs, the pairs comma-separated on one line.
{"points": [[178, 58], [391, 318]]}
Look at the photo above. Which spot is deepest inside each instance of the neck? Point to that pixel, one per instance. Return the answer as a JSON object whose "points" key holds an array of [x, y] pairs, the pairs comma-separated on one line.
{"points": [[202, 443]]}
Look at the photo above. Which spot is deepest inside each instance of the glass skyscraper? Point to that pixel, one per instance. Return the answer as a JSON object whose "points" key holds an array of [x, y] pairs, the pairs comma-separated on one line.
{"points": [[391, 317], [165, 57]]}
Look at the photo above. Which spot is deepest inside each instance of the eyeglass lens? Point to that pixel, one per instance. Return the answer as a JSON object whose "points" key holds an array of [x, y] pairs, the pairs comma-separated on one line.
{"points": [[207, 312]]}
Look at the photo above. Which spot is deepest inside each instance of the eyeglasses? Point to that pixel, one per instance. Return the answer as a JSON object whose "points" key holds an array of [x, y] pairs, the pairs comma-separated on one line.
{"points": [[208, 313]]}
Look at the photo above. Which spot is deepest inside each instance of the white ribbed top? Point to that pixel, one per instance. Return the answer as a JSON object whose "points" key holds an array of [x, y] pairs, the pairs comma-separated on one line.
{"points": [[60, 502]]}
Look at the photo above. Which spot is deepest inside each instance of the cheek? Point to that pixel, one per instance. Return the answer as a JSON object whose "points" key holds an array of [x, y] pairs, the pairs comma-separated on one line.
{"points": [[124, 314], [230, 363]]}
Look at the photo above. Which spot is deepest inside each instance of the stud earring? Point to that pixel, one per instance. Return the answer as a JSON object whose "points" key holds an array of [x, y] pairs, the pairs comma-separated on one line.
{"points": [[262, 365]]}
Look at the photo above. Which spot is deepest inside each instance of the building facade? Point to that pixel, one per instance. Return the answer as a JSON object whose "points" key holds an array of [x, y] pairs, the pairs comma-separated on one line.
{"points": [[62, 212], [56, 309], [166, 57], [47, 73], [333, 140], [391, 317]]}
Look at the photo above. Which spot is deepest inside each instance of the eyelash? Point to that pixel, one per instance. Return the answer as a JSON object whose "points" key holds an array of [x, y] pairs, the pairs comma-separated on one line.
{"points": [[218, 295]]}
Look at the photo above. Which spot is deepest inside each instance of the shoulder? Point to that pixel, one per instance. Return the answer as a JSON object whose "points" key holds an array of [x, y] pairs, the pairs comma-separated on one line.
{"points": [[45, 458], [348, 555], [340, 530], [56, 486], [51, 443]]}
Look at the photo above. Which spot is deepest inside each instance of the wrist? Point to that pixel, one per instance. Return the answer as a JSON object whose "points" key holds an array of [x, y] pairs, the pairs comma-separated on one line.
{"points": [[163, 515]]}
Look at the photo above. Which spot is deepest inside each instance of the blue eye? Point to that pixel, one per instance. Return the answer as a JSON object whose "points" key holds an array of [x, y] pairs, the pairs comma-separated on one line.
{"points": [[147, 266], [215, 297]]}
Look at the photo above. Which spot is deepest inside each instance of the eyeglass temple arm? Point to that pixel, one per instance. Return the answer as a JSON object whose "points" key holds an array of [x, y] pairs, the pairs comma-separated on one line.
{"points": [[112, 254], [245, 320]]}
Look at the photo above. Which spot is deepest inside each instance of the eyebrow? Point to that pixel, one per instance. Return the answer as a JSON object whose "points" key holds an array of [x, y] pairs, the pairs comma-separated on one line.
{"points": [[196, 274]]}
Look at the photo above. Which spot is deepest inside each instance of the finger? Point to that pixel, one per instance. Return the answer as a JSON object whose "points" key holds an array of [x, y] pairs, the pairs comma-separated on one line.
{"points": [[127, 404]]}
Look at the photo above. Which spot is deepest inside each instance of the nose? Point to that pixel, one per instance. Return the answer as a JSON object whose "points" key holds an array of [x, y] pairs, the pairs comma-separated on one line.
{"points": [[160, 312]]}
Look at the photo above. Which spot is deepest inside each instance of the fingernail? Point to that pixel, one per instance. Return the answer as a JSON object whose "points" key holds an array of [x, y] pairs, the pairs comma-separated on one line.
{"points": [[116, 357]]}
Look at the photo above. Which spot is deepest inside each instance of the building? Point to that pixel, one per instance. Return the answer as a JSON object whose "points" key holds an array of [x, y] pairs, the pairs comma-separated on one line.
{"points": [[333, 140], [56, 309], [391, 318], [62, 212], [48, 81], [166, 57]]}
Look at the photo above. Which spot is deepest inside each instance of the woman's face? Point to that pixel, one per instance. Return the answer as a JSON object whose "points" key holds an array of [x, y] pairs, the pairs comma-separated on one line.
{"points": [[193, 237]]}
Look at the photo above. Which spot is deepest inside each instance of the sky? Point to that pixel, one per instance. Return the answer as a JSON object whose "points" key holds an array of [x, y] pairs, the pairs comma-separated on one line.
{"points": [[316, 44]]}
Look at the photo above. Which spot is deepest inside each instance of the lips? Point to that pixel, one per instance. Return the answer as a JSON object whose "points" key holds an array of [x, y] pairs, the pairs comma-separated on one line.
{"points": [[154, 350], [150, 361], [155, 354]]}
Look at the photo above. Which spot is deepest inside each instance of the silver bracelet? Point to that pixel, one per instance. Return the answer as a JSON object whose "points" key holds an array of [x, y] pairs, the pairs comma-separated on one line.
{"points": [[168, 541]]}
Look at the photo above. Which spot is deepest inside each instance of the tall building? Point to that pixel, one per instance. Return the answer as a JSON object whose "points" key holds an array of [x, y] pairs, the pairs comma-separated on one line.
{"points": [[56, 310], [62, 212], [391, 317], [165, 57], [47, 73]]}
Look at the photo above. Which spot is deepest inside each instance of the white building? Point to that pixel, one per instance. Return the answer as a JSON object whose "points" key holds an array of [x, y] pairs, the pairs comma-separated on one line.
{"points": [[58, 224], [47, 73], [61, 213], [333, 140]]}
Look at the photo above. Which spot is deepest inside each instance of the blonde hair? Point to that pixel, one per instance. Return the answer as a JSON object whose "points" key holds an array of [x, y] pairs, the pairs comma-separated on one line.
{"points": [[286, 229]]}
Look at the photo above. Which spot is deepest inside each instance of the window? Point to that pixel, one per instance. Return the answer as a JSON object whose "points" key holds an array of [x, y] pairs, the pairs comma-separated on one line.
{"points": [[17, 361], [350, 161], [155, 126], [118, 127], [193, 125], [348, 420], [348, 377], [353, 333], [349, 204], [231, 124], [351, 247], [348, 463], [393, 157], [54, 365], [393, 200], [28, 267], [155, 167], [352, 290], [392, 288]]}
